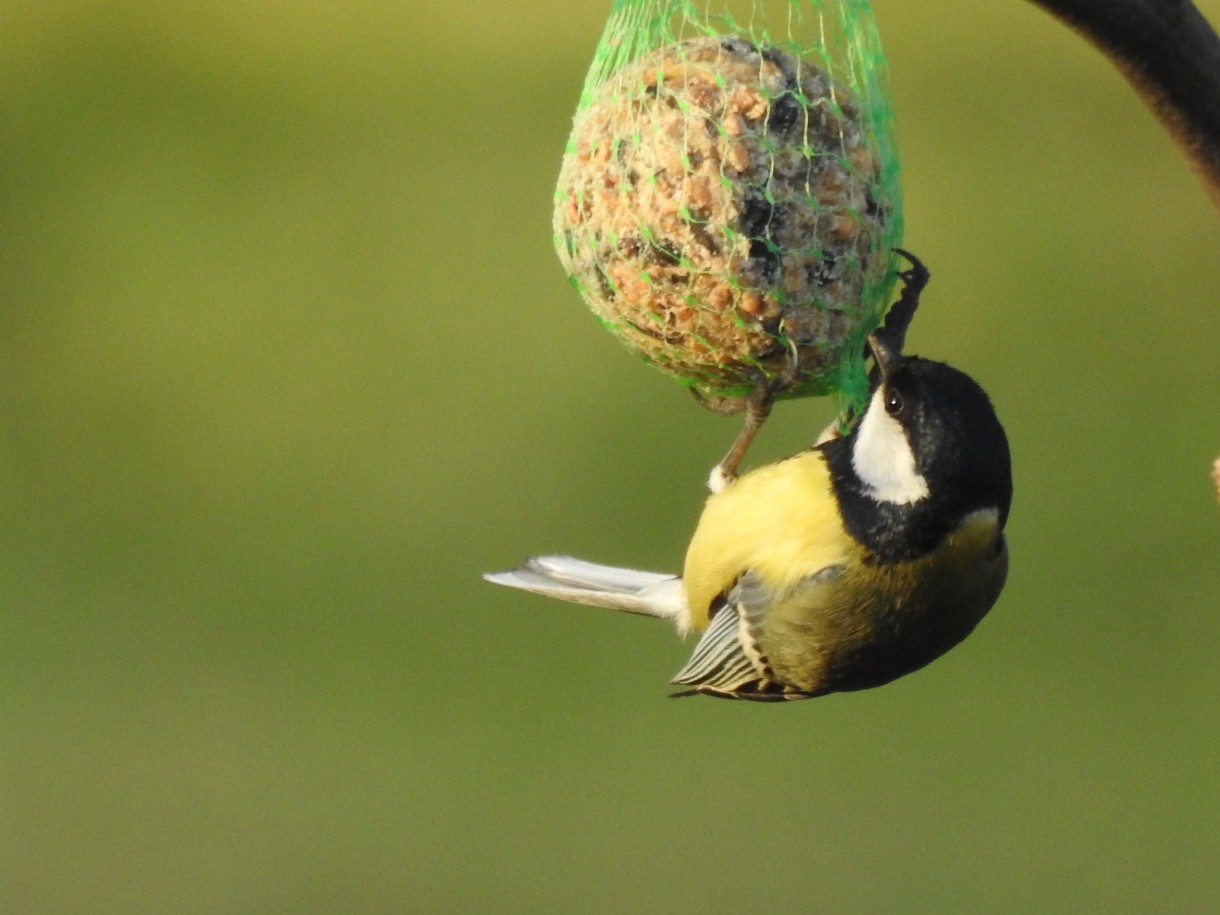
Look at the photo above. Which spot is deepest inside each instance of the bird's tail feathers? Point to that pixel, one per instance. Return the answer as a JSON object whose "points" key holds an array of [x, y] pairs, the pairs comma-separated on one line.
{"points": [[580, 582]]}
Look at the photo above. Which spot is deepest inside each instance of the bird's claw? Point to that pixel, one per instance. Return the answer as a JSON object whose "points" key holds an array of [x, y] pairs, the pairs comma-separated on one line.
{"points": [[758, 408]]}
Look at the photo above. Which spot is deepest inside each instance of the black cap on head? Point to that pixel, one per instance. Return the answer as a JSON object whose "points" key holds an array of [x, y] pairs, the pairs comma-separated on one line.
{"points": [[956, 457], [953, 429]]}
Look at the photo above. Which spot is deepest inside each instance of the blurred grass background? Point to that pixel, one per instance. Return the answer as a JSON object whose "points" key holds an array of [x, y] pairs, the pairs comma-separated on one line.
{"points": [[286, 361]]}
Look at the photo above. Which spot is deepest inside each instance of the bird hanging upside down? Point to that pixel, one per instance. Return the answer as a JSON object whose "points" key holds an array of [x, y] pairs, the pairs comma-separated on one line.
{"points": [[843, 567]]}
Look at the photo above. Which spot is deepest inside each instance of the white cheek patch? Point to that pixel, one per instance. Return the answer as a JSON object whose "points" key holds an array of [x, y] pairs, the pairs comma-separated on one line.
{"points": [[883, 459]]}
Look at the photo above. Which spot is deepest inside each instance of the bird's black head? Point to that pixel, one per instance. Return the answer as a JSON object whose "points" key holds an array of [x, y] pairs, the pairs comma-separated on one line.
{"points": [[928, 451]]}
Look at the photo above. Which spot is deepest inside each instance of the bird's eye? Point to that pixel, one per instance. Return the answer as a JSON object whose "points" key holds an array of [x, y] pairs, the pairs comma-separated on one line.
{"points": [[893, 403]]}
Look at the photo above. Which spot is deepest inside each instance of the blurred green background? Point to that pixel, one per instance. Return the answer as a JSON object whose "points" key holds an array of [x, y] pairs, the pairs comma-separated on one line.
{"points": [[286, 361]]}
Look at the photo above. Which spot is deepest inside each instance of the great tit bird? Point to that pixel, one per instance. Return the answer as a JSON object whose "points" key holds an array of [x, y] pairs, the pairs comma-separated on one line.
{"points": [[843, 567]]}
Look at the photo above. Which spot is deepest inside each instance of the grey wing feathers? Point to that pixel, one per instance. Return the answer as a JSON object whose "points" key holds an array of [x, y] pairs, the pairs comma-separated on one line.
{"points": [[720, 661], [730, 660], [727, 661], [581, 582]]}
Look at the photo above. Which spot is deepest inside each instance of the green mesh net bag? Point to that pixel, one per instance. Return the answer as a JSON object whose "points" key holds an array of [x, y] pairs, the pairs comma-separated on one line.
{"points": [[729, 195]]}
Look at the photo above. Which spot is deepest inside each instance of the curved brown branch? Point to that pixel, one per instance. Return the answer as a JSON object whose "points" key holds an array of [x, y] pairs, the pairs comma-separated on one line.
{"points": [[1171, 55]]}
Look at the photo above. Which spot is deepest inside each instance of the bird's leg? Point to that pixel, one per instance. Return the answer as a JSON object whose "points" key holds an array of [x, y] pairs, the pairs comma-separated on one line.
{"points": [[898, 319], [758, 408]]}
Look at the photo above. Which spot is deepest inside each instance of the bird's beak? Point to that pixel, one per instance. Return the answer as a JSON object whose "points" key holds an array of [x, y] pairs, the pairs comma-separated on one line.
{"points": [[883, 353]]}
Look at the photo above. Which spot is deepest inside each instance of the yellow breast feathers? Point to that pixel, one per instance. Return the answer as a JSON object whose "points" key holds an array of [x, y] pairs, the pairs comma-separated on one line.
{"points": [[779, 521]]}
